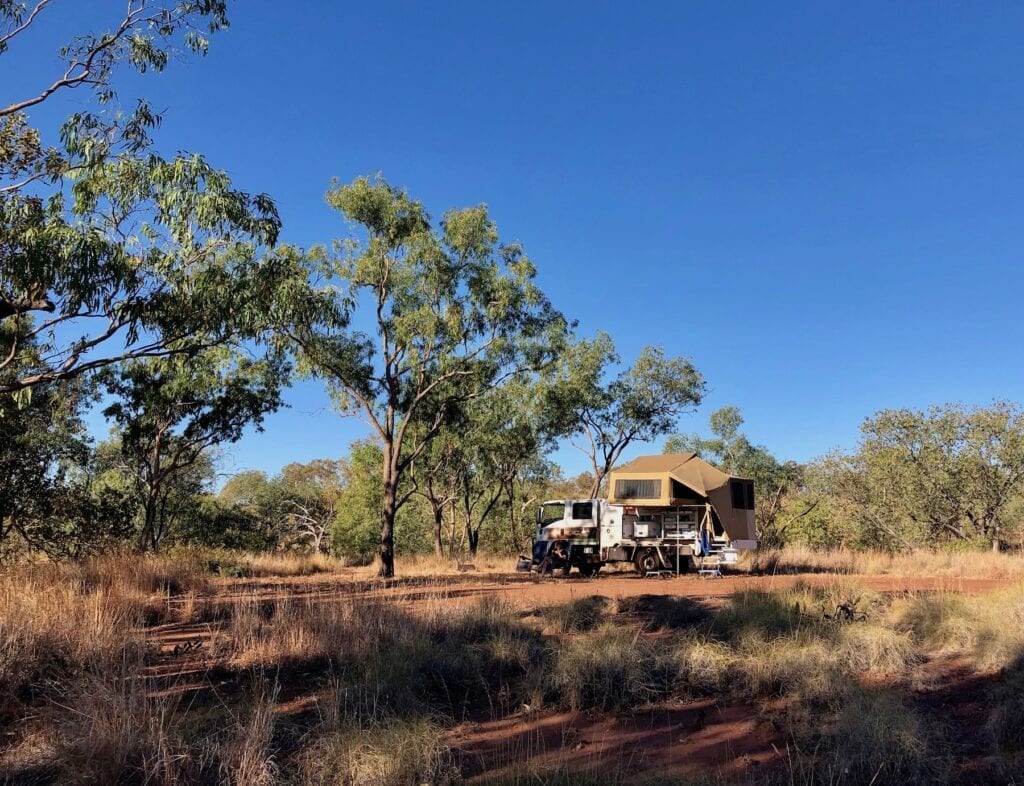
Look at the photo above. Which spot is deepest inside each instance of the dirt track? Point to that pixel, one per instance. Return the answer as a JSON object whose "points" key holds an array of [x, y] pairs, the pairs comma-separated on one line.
{"points": [[616, 586], [525, 591]]}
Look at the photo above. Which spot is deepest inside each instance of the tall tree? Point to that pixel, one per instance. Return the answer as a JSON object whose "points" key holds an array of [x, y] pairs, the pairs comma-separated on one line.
{"points": [[172, 411], [124, 253], [43, 445], [604, 414], [452, 313]]}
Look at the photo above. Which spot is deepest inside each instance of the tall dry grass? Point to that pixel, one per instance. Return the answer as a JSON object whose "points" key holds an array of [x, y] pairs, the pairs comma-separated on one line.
{"points": [[988, 627], [919, 562], [389, 676]]}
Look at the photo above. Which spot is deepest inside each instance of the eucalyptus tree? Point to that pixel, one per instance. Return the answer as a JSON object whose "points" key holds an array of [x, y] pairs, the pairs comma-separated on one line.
{"points": [[471, 467], [310, 494], [603, 412], [435, 473], [946, 473], [450, 313], [171, 412], [121, 253], [41, 441]]}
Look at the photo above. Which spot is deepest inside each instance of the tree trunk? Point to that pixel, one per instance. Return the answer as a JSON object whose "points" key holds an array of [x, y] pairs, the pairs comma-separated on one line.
{"points": [[147, 538], [387, 520], [438, 521], [512, 519], [473, 536]]}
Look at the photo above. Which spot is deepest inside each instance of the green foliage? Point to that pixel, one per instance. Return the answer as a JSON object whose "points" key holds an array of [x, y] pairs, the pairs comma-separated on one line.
{"points": [[48, 502], [173, 411], [295, 508], [948, 474], [355, 530], [203, 520], [130, 254], [454, 314], [476, 470], [603, 415]]}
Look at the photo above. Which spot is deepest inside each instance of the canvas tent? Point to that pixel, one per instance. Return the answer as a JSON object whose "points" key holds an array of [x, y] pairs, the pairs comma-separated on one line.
{"points": [[678, 479]]}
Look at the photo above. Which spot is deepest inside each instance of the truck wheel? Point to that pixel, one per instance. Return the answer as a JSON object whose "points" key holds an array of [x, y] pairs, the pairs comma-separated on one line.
{"points": [[647, 562], [589, 569]]}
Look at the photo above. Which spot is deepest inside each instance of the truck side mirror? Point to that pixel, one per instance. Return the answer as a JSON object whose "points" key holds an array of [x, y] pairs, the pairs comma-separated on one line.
{"points": [[540, 516]]}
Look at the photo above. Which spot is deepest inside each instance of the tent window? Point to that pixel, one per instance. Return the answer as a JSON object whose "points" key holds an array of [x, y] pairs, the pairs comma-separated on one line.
{"points": [[742, 494], [637, 489], [583, 510]]}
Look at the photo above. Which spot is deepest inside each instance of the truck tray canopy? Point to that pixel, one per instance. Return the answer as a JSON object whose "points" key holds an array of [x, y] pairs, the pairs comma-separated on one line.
{"points": [[673, 479]]}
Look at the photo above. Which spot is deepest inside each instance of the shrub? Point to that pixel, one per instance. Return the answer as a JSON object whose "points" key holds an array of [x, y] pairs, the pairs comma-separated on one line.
{"points": [[578, 615], [664, 611], [610, 669], [392, 753], [877, 740]]}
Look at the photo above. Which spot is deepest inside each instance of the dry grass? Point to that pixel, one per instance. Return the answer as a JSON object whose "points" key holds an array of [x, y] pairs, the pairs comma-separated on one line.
{"points": [[578, 615], [246, 757], [115, 732], [51, 628], [611, 669], [393, 753], [770, 644], [988, 627], [233, 564], [430, 565], [289, 631], [390, 675], [920, 562]]}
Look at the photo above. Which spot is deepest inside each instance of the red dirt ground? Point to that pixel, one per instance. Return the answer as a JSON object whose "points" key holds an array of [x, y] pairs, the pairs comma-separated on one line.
{"points": [[526, 591], [665, 739]]}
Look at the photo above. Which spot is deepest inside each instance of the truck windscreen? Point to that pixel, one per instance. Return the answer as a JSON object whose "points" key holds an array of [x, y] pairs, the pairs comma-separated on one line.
{"points": [[551, 512]]}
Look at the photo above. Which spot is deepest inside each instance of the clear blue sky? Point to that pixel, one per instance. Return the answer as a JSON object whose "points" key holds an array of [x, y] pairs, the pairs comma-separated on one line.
{"points": [[822, 204]]}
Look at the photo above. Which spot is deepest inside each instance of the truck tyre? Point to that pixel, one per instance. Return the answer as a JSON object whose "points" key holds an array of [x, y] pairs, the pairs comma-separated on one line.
{"points": [[589, 569], [647, 562]]}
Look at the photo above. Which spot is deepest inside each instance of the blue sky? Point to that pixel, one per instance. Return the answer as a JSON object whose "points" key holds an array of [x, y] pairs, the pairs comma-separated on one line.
{"points": [[819, 203]]}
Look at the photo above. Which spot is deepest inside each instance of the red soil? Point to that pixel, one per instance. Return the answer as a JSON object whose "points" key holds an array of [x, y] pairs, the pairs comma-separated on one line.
{"points": [[668, 739]]}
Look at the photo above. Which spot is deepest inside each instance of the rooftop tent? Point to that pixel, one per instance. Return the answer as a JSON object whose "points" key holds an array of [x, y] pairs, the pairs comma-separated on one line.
{"points": [[674, 479]]}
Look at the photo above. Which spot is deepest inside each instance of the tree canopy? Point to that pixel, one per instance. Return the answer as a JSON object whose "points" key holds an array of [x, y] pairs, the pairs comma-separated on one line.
{"points": [[121, 253], [452, 313], [604, 412]]}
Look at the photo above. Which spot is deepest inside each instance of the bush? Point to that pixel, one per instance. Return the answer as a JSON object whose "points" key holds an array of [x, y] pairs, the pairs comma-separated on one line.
{"points": [[609, 670], [578, 615], [879, 741], [392, 753]]}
